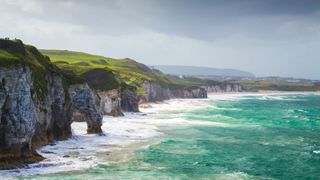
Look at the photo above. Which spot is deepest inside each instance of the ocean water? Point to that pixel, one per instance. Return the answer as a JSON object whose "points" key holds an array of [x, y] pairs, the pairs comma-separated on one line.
{"points": [[265, 136]]}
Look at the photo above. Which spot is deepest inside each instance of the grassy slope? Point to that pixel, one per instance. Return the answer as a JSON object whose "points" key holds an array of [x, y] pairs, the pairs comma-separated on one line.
{"points": [[134, 73], [125, 70], [129, 71]]}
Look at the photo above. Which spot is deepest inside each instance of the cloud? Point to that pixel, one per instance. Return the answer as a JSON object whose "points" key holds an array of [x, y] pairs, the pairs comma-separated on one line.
{"points": [[67, 4], [266, 38], [31, 28], [29, 6]]}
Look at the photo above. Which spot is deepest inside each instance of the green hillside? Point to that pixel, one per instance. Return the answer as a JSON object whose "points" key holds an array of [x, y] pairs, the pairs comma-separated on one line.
{"points": [[133, 73], [125, 70]]}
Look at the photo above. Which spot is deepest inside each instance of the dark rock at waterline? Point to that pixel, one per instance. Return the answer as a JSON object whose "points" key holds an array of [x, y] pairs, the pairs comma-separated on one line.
{"points": [[19, 162], [47, 152]]}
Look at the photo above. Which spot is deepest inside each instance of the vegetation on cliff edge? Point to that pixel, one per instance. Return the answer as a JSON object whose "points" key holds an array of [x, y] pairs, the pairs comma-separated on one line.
{"points": [[14, 52], [125, 70]]}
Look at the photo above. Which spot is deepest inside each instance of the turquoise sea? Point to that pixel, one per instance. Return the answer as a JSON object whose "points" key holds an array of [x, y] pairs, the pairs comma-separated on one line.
{"points": [[273, 136]]}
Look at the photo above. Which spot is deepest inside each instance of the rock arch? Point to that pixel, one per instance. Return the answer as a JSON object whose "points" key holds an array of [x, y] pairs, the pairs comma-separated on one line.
{"points": [[85, 104]]}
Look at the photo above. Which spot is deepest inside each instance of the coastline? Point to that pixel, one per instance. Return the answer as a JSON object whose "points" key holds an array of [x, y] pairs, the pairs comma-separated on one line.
{"points": [[123, 136]]}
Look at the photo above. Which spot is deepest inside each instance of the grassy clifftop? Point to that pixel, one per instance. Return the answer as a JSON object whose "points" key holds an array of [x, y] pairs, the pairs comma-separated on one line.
{"points": [[101, 73], [133, 73], [125, 70], [104, 73], [14, 52]]}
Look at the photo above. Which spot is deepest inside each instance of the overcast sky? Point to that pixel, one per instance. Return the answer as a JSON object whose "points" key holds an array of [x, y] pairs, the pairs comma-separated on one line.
{"points": [[266, 37]]}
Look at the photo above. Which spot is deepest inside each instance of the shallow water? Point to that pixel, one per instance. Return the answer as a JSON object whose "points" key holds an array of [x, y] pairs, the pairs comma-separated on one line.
{"points": [[223, 137]]}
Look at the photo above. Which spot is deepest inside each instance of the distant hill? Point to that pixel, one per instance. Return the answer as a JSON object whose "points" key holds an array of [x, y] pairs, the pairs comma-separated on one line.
{"points": [[202, 71]]}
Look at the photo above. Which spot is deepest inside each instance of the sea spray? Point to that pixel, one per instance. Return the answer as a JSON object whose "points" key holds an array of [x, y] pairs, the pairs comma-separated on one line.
{"points": [[248, 136]]}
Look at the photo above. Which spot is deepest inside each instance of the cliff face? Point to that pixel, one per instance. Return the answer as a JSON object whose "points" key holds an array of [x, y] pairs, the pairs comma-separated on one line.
{"points": [[129, 99], [27, 121], [110, 102], [38, 101], [155, 92], [53, 114], [35, 105], [190, 93], [18, 113], [225, 88], [86, 107]]}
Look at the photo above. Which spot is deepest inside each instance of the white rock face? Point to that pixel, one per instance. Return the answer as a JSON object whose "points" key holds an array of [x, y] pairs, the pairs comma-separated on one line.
{"points": [[110, 102], [224, 88], [28, 121], [18, 111], [155, 92]]}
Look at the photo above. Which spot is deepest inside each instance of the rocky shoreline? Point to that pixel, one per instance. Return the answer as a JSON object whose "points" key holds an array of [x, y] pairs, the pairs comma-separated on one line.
{"points": [[38, 104]]}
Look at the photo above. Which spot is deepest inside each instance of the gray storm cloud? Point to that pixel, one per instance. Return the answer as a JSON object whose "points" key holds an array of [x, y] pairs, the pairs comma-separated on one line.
{"points": [[274, 37]]}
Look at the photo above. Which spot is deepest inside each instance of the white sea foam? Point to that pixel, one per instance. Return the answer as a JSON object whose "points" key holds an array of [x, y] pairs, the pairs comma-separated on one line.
{"points": [[83, 151], [235, 175], [179, 122], [80, 152], [316, 152], [261, 96], [278, 97]]}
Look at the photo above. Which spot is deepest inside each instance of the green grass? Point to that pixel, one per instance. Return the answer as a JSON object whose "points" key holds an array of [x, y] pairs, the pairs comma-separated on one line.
{"points": [[74, 68], [125, 70], [10, 52], [5, 54], [74, 65], [70, 56], [134, 73]]}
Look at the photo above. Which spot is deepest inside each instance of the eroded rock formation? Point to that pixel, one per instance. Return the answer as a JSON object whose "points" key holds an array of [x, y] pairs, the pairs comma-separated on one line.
{"points": [[86, 107]]}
